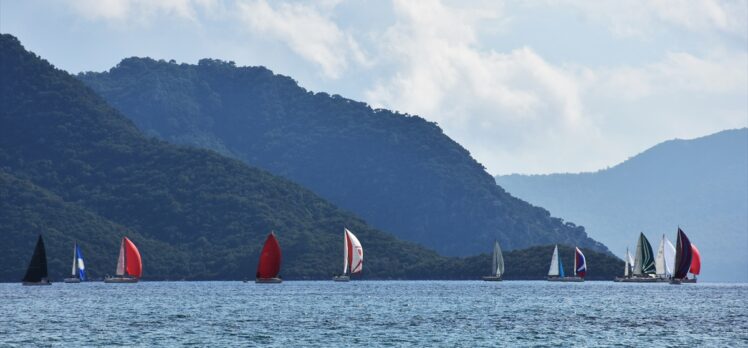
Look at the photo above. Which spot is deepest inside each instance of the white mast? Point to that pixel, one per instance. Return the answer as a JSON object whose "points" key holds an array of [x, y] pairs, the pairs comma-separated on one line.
{"points": [[75, 263]]}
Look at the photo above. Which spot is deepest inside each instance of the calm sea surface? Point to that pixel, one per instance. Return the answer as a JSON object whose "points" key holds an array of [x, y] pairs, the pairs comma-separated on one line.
{"points": [[374, 313]]}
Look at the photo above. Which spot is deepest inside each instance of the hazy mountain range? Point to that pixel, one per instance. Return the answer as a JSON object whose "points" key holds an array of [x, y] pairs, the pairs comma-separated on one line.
{"points": [[399, 172], [700, 185]]}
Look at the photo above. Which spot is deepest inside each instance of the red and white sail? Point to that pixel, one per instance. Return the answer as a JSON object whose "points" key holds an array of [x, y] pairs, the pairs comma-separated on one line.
{"points": [[353, 253], [129, 261]]}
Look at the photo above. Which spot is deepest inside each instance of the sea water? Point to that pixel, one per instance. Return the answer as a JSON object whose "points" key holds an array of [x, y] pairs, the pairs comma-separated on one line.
{"points": [[374, 313]]}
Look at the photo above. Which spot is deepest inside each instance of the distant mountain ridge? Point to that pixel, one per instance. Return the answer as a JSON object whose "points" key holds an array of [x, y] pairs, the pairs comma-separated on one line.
{"points": [[700, 185], [399, 172]]}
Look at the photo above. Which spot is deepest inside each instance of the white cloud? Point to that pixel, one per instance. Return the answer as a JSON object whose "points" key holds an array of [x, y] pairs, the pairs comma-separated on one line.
{"points": [[305, 30], [491, 74], [491, 102], [139, 11], [641, 18]]}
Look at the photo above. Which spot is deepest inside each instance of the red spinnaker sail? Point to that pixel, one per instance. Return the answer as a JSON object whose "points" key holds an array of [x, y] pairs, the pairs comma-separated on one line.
{"points": [[695, 260], [270, 258], [134, 263]]}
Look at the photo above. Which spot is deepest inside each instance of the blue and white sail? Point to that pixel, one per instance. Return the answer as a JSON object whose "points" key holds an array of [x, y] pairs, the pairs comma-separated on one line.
{"points": [[79, 268]]}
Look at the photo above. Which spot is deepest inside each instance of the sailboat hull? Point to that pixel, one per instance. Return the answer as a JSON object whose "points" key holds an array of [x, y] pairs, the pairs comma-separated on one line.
{"points": [[120, 280], [341, 278], [268, 280], [43, 282], [72, 280], [639, 280], [492, 278], [566, 279]]}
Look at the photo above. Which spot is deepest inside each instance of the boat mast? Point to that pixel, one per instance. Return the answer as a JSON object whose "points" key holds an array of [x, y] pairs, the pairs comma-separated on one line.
{"points": [[75, 261]]}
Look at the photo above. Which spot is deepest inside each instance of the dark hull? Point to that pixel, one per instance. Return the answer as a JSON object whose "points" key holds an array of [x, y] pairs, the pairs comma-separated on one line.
{"points": [[268, 280], [43, 282], [120, 280], [72, 280], [640, 280], [492, 278], [565, 279]]}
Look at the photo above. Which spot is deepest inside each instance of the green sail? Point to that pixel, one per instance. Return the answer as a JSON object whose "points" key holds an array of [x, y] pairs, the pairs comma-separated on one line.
{"points": [[644, 262]]}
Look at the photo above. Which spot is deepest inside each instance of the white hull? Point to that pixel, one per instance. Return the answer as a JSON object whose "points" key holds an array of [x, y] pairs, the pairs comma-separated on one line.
{"points": [[342, 278]]}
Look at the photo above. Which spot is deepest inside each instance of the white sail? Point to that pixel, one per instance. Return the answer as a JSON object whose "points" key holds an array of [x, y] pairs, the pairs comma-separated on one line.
{"points": [[629, 262], [75, 263], [498, 260], [660, 259], [669, 258], [638, 258], [121, 260], [356, 253], [553, 270]]}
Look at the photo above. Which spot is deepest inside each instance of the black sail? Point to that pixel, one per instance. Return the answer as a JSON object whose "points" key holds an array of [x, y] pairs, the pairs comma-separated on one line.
{"points": [[38, 266], [683, 255]]}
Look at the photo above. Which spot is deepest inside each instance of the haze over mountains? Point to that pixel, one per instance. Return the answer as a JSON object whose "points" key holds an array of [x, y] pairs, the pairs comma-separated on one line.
{"points": [[700, 185], [398, 172]]}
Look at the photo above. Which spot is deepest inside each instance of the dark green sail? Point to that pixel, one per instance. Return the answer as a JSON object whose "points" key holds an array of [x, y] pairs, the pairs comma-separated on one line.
{"points": [[38, 267], [644, 262]]}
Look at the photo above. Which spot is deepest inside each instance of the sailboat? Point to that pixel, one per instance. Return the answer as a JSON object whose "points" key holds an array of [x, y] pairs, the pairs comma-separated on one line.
{"points": [[664, 260], [556, 271], [644, 268], [129, 264], [36, 274], [683, 258], [353, 257], [270, 261], [79, 269], [497, 264], [695, 264]]}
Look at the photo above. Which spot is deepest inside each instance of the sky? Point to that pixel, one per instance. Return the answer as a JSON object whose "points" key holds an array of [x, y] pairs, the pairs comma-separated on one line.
{"points": [[529, 87]]}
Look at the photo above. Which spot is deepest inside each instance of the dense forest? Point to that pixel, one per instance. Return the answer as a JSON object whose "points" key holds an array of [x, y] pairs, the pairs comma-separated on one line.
{"points": [[208, 213], [700, 185], [399, 172], [72, 168]]}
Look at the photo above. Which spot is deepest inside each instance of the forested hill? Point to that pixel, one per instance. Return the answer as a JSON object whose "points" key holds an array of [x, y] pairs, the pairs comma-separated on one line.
{"points": [[73, 168], [700, 185], [399, 172]]}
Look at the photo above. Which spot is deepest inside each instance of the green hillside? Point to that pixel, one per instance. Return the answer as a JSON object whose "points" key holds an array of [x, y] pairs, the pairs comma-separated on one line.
{"points": [[196, 214], [399, 172]]}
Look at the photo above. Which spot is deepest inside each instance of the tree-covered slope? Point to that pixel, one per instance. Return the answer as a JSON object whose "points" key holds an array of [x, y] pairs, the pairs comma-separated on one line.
{"points": [[700, 185], [92, 176], [399, 172], [28, 210]]}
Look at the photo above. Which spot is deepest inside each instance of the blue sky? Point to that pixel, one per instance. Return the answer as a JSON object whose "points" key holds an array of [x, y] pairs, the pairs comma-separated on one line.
{"points": [[526, 87]]}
